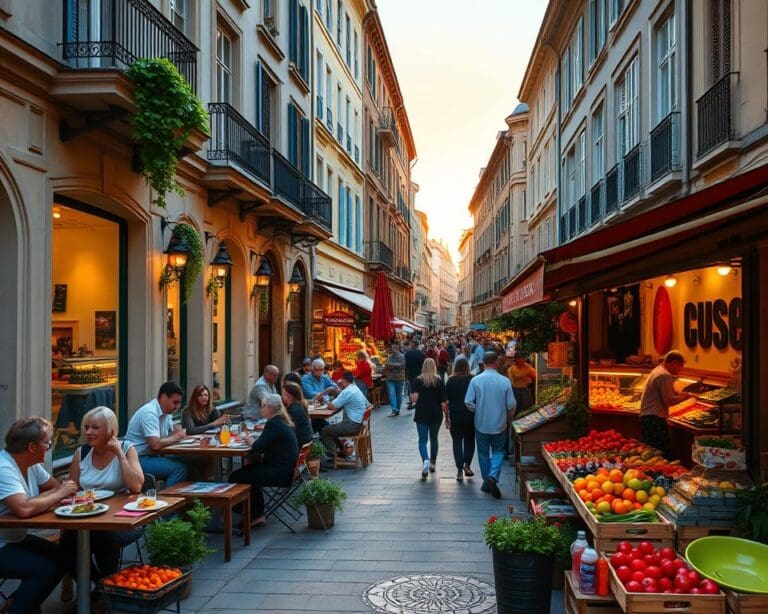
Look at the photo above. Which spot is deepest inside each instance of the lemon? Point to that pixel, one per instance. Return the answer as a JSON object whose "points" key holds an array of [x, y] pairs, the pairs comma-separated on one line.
{"points": [[641, 496], [635, 484], [649, 506], [658, 490], [655, 499]]}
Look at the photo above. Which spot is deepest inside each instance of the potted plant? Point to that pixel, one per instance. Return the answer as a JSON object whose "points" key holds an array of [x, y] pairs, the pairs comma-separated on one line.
{"points": [[316, 453], [752, 517], [321, 498], [524, 551]]}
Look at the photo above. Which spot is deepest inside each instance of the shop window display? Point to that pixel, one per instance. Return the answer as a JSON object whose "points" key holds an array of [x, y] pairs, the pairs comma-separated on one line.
{"points": [[85, 341]]}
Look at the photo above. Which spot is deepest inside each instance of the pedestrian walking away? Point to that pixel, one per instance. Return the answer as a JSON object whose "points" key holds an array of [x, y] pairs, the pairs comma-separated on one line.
{"points": [[460, 419], [414, 361], [428, 396], [490, 397], [395, 372]]}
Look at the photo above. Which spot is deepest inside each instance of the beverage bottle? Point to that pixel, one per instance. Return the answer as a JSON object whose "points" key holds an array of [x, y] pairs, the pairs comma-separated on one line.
{"points": [[224, 435], [588, 571], [577, 547], [602, 578]]}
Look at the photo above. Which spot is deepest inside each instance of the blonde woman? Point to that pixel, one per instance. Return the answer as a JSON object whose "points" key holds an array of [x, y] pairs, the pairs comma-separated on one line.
{"points": [[273, 456], [431, 403]]}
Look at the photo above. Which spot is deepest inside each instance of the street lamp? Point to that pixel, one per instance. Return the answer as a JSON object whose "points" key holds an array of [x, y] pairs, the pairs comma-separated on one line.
{"points": [[295, 283], [262, 276], [177, 252], [221, 264]]}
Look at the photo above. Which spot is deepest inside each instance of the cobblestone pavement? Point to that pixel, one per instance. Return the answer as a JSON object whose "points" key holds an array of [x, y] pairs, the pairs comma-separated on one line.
{"points": [[393, 526]]}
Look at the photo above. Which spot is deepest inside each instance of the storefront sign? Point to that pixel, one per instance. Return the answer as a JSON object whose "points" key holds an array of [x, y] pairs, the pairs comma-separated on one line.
{"points": [[529, 290], [339, 318], [708, 323]]}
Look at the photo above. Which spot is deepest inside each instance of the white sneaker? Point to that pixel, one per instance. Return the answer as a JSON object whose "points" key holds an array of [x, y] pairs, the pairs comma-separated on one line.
{"points": [[425, 469]]}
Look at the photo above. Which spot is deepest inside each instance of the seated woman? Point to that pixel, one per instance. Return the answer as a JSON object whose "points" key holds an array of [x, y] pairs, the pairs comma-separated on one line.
{"points": [[272, 456], [26, 490], [104, 463], [200, 415], [293, 399]]}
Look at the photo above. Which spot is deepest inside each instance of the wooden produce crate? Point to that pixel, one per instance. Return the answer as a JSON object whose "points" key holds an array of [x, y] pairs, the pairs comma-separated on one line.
{"points": [[746, 603], [526, 471], [660, 603], [606, 535], [578, 603], [529, 443], [531, 492], [685, 535]]}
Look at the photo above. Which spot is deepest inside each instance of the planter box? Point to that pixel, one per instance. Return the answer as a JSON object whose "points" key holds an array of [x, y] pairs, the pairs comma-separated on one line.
{"points": [[746, 603], [577, 603], [659, 603]]}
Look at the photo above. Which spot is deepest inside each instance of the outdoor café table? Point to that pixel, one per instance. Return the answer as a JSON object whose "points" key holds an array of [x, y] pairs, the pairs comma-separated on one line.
{"points": [[103, 522], [216, 451], [322, 411]]}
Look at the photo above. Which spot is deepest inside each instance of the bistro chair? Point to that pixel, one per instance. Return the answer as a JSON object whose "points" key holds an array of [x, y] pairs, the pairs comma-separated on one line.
{"points": [[277, 499], [363, 446]]}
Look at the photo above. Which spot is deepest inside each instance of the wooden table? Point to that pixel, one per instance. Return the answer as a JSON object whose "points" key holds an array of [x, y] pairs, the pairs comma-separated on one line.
{"points": [[225, 501], [104, 522], [195, 449], [322, 411]]}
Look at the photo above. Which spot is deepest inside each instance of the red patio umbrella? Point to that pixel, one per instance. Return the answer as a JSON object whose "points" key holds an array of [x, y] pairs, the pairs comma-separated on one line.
{"points": [[381, 318]]}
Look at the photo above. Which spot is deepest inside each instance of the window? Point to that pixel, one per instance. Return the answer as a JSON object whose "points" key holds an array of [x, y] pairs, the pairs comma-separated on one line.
{"points": [[357, 57], [180, 15], [319, 86], [339, 110], [266, 103], [269, 13], [598, 144], [320, 175], [627, 112], [342, 214], [338, 22], [298, 139], [298, 38], [598, 28], [720, 38], [548, 233], [223, 66], [525, 207], [328, 15], [577, 58], [615, 7], [567, 83], [666, 70], [348, 124], [328, 100], [348, 46], [582, 164]]}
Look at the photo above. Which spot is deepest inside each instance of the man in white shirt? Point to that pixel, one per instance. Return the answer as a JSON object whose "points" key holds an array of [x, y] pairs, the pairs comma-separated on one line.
{"points": [[151, 429], [354, 403], [26, 490], [266, 384]]}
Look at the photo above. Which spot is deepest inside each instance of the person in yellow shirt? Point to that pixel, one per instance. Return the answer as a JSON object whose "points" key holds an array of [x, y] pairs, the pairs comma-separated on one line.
{"points": [[522, 375]]}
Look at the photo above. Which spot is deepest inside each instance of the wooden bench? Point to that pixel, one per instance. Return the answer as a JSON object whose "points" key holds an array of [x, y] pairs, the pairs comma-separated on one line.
{"points": [[224, 501]]}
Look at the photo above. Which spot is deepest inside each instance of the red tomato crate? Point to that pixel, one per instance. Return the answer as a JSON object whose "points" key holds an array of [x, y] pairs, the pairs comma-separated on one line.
{"points": [[137, 601]]}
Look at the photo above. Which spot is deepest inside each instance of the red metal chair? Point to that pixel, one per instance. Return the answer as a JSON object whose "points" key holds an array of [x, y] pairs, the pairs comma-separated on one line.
{"points": [[277, 499]]}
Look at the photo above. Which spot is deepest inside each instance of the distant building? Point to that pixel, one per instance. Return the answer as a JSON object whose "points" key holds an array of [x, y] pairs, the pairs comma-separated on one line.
{"points": [[444, 285], [424, 306], [466, 259]]}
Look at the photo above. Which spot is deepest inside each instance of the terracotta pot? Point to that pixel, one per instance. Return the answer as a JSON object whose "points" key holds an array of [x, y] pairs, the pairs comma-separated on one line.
{"points": [[320, 516]]}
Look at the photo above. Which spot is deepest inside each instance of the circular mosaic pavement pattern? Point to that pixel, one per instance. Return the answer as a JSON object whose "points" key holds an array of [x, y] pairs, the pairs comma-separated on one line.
{"points": [[430, 593]]}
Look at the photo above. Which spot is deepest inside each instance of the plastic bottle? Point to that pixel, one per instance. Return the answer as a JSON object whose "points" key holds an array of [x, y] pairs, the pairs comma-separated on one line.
{"points": [[588, 571], [602, 578], [577, 547]]}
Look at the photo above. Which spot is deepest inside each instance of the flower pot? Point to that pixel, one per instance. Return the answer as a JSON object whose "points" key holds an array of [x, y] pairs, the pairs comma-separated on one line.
{"points": [[523, 582], [320, 516], [313, 466]]}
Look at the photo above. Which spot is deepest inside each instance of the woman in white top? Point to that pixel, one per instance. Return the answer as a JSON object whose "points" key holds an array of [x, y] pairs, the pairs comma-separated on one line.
{"points": [[104, 463]]}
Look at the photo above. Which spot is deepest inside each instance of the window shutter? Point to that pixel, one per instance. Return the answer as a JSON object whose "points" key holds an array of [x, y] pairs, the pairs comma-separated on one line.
{"points": [[342, 216], [358, 224], [292, 31], [303, 51], [260, 98], [305, 146], [349, 218], [292, 134]]}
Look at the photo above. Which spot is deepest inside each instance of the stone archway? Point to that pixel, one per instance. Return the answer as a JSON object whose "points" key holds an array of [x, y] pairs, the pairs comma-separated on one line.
{"points": [[10, 292]]}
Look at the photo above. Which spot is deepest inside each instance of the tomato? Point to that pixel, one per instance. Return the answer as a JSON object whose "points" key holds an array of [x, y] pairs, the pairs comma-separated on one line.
{"points": [[645, 547], [665, 584], [638, 576], [696, 591], [694, 577], [667, 553], [683, 582], [624, 573], [638, 565], [650, 585], [625, 547], [618, 559], [668, 568], [709, 587], [636, 554], [653, 572], [634, 587], [651, 559]]}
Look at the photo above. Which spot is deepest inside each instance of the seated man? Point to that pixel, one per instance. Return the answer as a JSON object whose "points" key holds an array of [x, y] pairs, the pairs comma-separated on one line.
{"points": [[266, 384], [151, 429], [316, 383], [26, 489], [353, 402]]}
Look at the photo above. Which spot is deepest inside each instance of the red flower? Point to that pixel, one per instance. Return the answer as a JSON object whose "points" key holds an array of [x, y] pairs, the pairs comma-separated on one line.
{"points": [[492, 519]]}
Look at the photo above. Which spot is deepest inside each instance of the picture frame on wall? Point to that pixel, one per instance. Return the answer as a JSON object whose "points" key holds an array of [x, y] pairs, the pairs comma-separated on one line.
{"points": [[59, 298], [105, 337]]}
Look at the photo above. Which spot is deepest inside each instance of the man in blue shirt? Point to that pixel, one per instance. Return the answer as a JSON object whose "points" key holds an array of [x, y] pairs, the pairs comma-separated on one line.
{"points": [[354, 403], [490, 397], [316, 384]]}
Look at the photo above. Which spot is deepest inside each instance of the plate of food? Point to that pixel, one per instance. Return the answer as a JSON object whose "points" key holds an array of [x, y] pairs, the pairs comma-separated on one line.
{"points": [[80, 510], [95, 494], [145, 504]]}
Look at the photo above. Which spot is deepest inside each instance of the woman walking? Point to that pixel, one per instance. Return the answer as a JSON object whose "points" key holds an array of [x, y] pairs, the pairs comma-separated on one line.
{"points": [[461, 421], [428, 396]]}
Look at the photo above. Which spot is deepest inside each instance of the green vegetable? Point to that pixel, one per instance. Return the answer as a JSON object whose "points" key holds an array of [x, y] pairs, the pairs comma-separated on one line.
{"points": [[717, 442], [635, 516]]}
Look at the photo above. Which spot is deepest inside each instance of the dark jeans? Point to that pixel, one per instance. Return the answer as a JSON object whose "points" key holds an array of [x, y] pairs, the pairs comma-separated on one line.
{"points": [[655, 432], [463, 445], [318, 424], [258, 475], [428, 430], [105, 548], [38, 563], [331, 433]]}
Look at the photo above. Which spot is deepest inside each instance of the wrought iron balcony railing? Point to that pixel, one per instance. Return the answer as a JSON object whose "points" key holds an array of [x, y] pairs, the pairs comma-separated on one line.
{"points": [[116, 33], [290, 184], [714, 108], [597, 201], [234, 138], [582, 212], [612, 190], [632, 172], [380, 253], [665, 146]]}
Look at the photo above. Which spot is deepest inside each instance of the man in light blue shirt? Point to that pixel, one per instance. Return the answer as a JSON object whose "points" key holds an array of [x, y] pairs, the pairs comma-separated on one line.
{"points": [[316, 384], [490, 397], [469, 357], [353, 402]]}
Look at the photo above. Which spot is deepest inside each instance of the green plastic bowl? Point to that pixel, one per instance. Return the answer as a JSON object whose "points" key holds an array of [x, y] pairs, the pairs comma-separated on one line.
{"points": [[738, 564]]}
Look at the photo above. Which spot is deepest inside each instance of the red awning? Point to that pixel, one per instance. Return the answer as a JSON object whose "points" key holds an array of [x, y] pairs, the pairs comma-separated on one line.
{"points": [[526, 288]]}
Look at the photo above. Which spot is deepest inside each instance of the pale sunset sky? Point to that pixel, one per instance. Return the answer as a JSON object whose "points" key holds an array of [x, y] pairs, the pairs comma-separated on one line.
{"points": [[460, 65]]}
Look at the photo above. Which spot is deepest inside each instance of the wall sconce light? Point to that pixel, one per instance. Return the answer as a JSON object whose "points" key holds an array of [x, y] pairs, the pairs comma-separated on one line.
{"points": [[296, 283], [723, 269], [670, 281], [56, 212], [262, 276], [176, 254], [222, 264], [572, 303]]}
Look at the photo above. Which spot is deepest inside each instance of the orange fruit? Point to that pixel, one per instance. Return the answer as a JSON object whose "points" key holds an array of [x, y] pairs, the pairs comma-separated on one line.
{"points": [[629, 495], [607, 487], [597, 493], [617, 506], [601, 478], [586, 499], [609, 497], [592, 484], [618, 488], [637, 506], [579, 483], [583, 493], [628, 506], [616, 475]]}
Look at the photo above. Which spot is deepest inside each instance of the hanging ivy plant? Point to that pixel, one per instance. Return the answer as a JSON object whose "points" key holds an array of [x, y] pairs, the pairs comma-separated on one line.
{"points": [[212, 287], [168, 111], [195, 260]]}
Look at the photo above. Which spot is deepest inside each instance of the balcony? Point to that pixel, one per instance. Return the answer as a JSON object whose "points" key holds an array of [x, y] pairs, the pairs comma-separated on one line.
{"points": [[714, 108], [234, 139], [632, 173], [387, 127], [582, 211], [612, 190], [102, 39], [597, 201], [403, 272], [378, 256], [572, 228], [291, 186], [665, 146]]}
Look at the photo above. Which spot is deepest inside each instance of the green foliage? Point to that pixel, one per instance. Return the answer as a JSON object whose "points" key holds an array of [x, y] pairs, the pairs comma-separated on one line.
{"points": [[524, 535], [177, 542], [536, 325], [576, 412], [317, 450], [753, 510], [168, 111], [212, 287], [195, 260], [321, 492]]}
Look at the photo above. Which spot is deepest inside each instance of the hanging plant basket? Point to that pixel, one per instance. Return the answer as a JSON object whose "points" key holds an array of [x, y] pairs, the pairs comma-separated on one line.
{"points": [[168, 111], [195, 261]]}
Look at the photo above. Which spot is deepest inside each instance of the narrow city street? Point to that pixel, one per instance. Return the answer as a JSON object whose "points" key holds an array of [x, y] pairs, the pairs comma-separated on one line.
{"points": [[392, 525]]}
